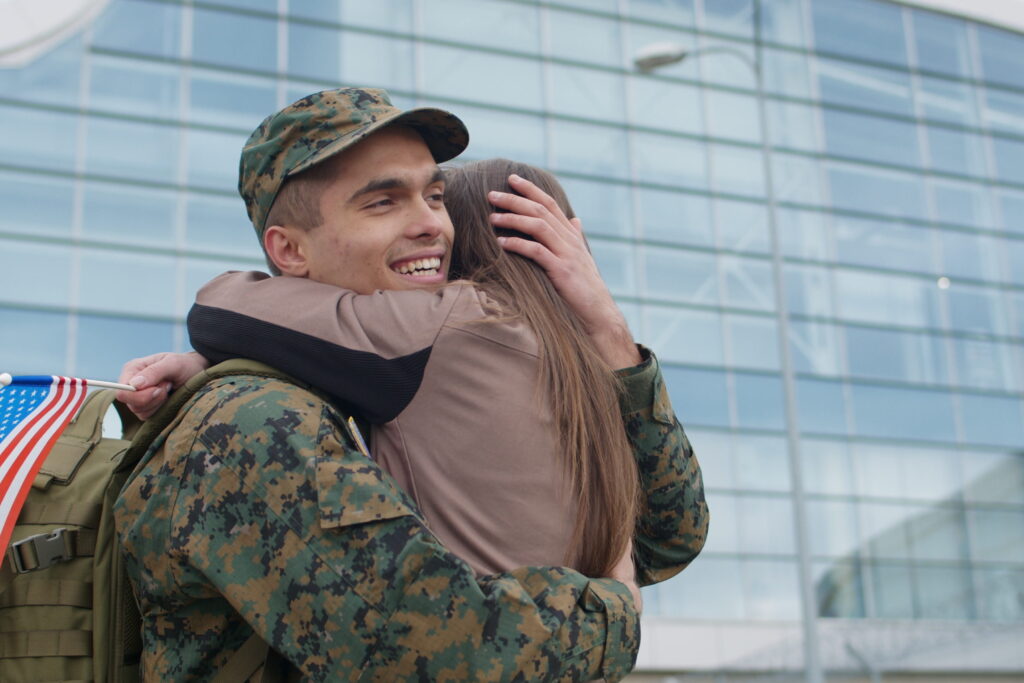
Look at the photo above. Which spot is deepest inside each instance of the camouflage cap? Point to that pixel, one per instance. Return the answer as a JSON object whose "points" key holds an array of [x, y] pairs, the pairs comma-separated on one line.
{"points": [[319, 126]]}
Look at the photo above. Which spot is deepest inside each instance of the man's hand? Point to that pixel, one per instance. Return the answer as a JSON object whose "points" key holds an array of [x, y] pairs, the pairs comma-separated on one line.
{"points": [[561, 250], [153, 378], [625, 571]]}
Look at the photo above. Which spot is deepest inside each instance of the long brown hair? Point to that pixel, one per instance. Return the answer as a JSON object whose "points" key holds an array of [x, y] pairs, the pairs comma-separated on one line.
{"points": [[583, 390]]}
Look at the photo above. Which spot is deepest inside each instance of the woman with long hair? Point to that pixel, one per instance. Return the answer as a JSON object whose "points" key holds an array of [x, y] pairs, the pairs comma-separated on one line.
{"points": [[489, 402]]}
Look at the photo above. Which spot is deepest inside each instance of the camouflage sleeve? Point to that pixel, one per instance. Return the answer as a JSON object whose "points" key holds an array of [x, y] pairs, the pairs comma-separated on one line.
{"points": [[320, 552], [674, 523]]}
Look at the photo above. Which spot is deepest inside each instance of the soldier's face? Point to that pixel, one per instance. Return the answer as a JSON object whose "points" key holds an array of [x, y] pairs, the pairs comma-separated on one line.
{"points": [[385, 224]]}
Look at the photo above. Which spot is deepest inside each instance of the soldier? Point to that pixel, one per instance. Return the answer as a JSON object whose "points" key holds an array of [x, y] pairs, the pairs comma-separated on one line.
{"points": [[256, 513]]}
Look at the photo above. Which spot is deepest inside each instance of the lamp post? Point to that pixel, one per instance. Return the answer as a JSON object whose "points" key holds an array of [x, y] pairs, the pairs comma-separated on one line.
{"points": [[646, 60]]}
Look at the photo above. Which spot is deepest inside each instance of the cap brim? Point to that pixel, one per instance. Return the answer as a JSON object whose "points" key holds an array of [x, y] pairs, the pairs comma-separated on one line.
{"points": [[443, 132]]}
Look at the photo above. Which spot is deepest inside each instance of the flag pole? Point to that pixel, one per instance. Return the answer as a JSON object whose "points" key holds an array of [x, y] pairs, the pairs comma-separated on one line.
{"points": [[6, 379]]}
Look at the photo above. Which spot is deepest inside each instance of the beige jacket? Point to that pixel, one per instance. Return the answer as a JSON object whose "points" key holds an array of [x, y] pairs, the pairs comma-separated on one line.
{"points": [[457, 416]]}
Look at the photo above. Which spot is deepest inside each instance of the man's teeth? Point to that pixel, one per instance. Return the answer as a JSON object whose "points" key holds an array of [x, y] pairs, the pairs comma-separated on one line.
{"points": [[420, 267]]}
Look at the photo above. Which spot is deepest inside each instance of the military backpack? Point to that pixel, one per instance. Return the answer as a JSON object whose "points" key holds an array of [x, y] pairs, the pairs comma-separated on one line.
{"points": [[67, 612]]}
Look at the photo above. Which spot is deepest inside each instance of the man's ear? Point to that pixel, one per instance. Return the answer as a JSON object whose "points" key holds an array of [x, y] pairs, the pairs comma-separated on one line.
{"points": [[287, 247]]}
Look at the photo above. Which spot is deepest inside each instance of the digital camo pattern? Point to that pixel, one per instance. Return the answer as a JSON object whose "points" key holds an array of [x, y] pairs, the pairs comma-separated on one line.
{"points": [[255, 509], [319, 126], [673, 527]]}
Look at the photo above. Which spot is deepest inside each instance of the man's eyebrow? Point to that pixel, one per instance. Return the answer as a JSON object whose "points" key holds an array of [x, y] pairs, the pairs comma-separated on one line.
{"points": [[391, 183]]}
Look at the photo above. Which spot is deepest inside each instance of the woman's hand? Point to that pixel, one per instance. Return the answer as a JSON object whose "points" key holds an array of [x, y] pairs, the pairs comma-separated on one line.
{"points": [[154, 377], [561, 250]]}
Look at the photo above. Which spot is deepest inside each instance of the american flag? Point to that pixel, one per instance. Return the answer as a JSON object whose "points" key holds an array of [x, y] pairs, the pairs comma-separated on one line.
{"points": [[34, 410]]}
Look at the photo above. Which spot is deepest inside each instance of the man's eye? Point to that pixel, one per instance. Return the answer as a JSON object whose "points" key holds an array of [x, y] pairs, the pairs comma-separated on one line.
{"points": [[380, 203], [436, 197]]}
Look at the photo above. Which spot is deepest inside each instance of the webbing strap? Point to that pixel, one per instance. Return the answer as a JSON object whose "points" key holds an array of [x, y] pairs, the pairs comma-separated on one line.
{"points": [[42, 550], [245, 662], [46, 644], [78, 514], [47, 592]]}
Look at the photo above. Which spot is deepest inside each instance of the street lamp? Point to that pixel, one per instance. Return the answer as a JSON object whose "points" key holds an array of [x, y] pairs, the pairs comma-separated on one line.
{"points": [[646, 60]]}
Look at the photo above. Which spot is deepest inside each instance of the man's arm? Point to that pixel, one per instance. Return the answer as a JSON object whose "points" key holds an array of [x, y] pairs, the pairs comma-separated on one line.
{"points": [[674, 524], [319, 552]]}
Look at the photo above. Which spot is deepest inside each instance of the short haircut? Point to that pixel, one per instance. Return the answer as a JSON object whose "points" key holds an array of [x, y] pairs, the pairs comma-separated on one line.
{"points": [[297, 203]]}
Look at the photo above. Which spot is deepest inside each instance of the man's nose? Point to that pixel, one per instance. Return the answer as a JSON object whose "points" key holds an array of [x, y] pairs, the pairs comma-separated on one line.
{"points": [[427, 220]]}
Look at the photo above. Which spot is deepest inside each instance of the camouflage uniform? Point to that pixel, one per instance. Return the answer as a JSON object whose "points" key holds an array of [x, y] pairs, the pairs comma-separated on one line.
{"points": [[254, 511]]}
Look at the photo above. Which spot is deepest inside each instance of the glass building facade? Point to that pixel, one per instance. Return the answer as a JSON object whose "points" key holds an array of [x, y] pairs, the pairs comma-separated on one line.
{"points": [[838, 307]]}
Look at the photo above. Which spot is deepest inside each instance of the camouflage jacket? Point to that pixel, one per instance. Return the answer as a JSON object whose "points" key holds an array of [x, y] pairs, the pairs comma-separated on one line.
{"points": [[255, 511]]}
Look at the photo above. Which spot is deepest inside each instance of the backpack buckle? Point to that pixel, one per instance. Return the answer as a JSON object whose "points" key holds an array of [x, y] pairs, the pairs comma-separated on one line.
{"points": [[42, 550]]}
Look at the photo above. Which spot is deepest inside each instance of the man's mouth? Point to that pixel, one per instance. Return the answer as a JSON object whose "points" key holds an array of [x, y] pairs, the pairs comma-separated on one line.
{"points": [[424, 267]]}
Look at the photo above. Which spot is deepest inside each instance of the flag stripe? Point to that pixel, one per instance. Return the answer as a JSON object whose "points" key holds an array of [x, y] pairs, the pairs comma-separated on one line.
{"points": [[25, 449]]}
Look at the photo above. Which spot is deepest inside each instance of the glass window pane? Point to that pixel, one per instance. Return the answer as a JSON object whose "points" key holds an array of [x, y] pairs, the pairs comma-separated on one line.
{"points": [[580, 37], [938, 533], [136, 151], [887, 299], [106, 342], [393, 15], [782, 21], [865, 87], [128, 214], [753, 342], [996, 535], [771, 590], [826, 467], [943, 100], [44, 140], [793, 125], [760, 402], [873, 138], [941, 43], [1009, 158], [943, 592], [213, 159], [220, 224], [975, 309], [33, 342], [893, 591], [503, 134], [797, 179], [21, 265], [732, 116], [902, 413], [999, 50], [860, 28], [821, 407], [674, 107], [808, 290], [992, 420], [895, 355], [52, 77], [131, 86], [729, 16], [999, 594], [785, 72], [675, 217], [143, 27], [604, 208], [699, 396], [680, 275], [120, 282], [737, 170], [815, 347], [982, 364], [748, 283], [762, 463], [214, 40], [234, 100], [962, 203], [35, 205], [884, 529], [480, 77], [954, 151], [615, 262], [672, 161], [832, 526], [994, 477], [471, 21], [883, 244], [1004, 111], [684, 336], [708, 592], [593, 150], [742, 226], [892, 193], [766, 525], [587, 93], [839, 590], [718, 472], [804, 234]]}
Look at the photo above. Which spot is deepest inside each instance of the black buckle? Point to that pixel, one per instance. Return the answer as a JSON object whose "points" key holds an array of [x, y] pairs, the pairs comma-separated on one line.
{"points": [[55, 546]]}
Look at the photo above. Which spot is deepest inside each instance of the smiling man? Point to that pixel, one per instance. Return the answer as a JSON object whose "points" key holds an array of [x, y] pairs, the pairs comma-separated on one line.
{"points": [[255, 512]]}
